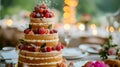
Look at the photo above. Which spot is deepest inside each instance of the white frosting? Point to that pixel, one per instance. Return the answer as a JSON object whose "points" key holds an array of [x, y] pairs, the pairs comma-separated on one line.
{"points": [[31, 58], [55, 40], [41, 63]]}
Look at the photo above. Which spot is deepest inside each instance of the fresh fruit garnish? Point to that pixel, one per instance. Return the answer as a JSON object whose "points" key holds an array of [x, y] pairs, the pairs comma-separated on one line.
{"points": [[47, 31], [62, 46], [26, 31], [31, 33], [22, 41], [23, 47], [37, 8], [43, 45], [47, 15], [50, 26], [42, 30], [31, 49], [55, 31], [41, 10], [58, 47], [44, 49], [44, 6], [53, 48], [51, 31], [33, 14], [49, 49], [36, 31]]}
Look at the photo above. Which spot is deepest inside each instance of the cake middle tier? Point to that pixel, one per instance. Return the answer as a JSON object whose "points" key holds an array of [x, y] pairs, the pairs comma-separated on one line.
{"points": [[40, 39]]}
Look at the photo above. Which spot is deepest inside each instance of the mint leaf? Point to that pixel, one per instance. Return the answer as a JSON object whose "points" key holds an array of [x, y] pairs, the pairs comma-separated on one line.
{"points": [[22, 41], [43, 45], [50, 26]]}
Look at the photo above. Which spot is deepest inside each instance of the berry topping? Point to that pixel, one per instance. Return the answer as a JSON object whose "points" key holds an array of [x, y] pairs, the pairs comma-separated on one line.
{"points": [[37, 8], [41, 10], [31, 33], [41, 30], [26, 31], [53, 48], [35, 31], [44, 49], [33, 14], [23, 47], [31, 49], [62, 46], [47, 15], [49, 49], [51, 31], [55, 31]]}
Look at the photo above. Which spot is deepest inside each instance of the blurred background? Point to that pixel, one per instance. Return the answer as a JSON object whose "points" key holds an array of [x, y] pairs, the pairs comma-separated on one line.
{"points": [[78, 21]]}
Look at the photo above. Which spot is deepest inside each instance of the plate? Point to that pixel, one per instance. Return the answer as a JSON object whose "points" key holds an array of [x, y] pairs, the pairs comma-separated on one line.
{"points": [[73, 53], [80, 64], [90, 48]]}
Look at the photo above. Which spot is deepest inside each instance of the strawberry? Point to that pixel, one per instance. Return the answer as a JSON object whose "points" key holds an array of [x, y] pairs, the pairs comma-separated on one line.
{"points": [[26, 31], [31, 49], [41, 10], [49, 49], [44, 6], [47, 15], [41, 30], [44, 49], [55, 31], [31, 33]]}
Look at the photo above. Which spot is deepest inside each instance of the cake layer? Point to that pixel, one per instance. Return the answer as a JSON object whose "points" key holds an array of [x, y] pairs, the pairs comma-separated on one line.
{"points": [[41, 20], [20, 64], [41, 37], [41, 43], [40, 58], [39, 25]]}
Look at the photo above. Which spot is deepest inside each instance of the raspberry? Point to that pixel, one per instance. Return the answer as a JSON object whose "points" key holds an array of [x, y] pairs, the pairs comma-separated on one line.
{"points": [[58, 48], [55, 31], [49, 49], [43, 49], [41, 10], [31, 49], [47, 15], [26, 31]]}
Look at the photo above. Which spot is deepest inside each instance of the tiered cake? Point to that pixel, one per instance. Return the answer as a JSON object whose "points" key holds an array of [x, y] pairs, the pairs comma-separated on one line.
{"points": [[40, 47]]}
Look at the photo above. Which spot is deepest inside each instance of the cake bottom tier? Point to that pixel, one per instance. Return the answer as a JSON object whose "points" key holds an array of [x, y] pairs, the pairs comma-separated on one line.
{"points": [[25, 65]]}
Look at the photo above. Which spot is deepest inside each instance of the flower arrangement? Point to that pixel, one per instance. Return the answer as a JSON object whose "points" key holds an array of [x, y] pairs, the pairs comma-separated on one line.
{"points": [[108, 49], [95, 64]]}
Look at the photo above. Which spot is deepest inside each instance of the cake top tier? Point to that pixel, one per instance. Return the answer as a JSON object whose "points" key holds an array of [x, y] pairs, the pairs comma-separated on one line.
{"points": [[41, 11]]}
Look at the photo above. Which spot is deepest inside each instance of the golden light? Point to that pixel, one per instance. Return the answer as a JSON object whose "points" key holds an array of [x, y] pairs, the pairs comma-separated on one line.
{"points": [[66, 15], [67, 26], [119, 29], [9, 22], [107, 28], [93, 26], [94, 32], [111, 29], [81, 27], [66, 9]]}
